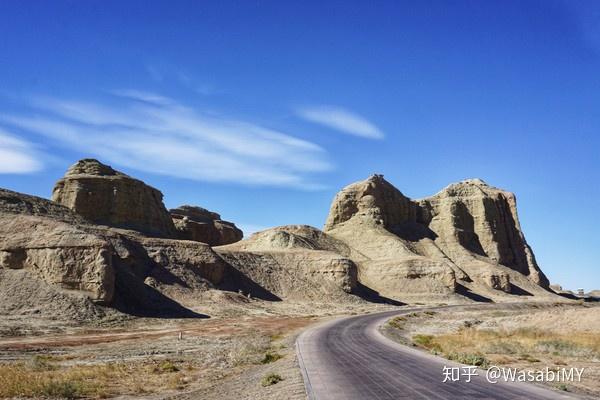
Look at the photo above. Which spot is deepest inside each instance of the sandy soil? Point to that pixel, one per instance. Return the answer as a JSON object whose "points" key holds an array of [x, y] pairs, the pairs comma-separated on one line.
{"points": [[524, 336], [222, 357]]}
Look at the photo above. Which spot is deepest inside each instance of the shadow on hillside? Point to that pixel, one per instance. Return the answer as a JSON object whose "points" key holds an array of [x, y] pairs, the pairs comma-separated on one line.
{"points": [[519, 291], [460, 289], [571, 296], [373, 296], [134, 297], [236, 281], [413, 231]]}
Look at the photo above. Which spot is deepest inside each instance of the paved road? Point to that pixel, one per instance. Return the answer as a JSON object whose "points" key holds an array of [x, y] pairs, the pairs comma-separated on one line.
{"points": [[349, 359]]}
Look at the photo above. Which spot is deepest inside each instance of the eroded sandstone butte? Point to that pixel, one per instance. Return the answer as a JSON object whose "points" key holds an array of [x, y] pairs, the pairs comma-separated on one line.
{"points": [[465, 239], [45, 239], [108, 197], [56, 257], [201, 225], [294, 262], [108, 239]]}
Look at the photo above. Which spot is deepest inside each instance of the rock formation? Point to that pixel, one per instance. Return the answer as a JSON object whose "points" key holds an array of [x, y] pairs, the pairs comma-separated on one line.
{"points": [[594, 293], [201, 225], [465, 238], [41, 237], [472, 218], [291, 262], [107, 240], [108, 197], [375, 200], [43, 242]]}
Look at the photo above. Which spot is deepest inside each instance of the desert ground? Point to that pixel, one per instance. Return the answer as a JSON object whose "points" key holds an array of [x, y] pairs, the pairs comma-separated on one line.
{"points": [[229, 355], [247, 349], [104, 293], [524, 336]]}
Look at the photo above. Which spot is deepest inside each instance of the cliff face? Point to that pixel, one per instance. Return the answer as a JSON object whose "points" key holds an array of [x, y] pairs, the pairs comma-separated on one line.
{"points": [[465, 237], [295, 262], [375, 199], [201, 225], [56, 258], [472, 217], [105, 196], [44, 238], [69, 255]]}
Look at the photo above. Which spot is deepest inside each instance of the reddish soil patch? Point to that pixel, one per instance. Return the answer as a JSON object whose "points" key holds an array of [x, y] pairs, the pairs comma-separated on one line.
{"points": [[214, 327]]}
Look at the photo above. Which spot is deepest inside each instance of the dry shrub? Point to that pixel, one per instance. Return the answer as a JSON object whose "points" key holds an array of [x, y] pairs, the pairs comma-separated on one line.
{"points": [[249, 349], [514, 342], [42, 379]]}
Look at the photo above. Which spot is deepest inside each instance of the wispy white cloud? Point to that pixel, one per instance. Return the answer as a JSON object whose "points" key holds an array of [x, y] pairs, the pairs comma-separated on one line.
{"points": [[155, 134], [140, 95], [341, 120], [17, 156]]}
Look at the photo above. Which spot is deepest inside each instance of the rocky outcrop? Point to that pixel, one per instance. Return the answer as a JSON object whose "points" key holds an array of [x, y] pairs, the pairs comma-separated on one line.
{"points": [[594, 293], [409, 277], [374, 199], [44, 242], [58, 254], [154, 275], [201, 225], [43, 237], [290, 262], [474, 219], [108, 197], [467, 237], [108, 240]]}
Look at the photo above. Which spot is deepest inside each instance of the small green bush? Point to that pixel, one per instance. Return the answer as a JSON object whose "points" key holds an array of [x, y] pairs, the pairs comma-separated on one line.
{"points": [[270, 379], [167, 366], [475, 359], [428, 342], [397, 322], [423, 340], [562, 387], [270, 357]]}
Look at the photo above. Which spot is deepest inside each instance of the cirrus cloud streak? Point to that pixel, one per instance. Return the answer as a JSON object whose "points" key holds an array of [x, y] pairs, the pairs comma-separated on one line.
{"points": [[341, 120], [155, 134], [17, 156]]}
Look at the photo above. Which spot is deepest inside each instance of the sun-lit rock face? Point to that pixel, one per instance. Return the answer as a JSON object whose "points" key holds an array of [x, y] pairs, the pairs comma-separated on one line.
{"points": [[374, 199], [201, 225], [44, 245], [295, 262], [471, 216], [108, 197], [467, 234], [43, 238]]}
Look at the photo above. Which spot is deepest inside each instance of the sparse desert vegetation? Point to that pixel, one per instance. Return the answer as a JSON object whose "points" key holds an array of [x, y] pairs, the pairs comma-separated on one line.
{"points": [[56, 380], [142, 357], [527, 337], [271, 379], [74, 377]]}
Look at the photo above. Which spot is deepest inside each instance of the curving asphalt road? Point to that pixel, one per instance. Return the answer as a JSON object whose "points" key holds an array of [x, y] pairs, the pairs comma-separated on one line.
{"points": [[350, 359]]}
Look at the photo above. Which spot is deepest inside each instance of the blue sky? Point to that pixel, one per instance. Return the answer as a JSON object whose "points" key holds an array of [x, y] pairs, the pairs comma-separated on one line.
{"points": [[263, 110]]}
